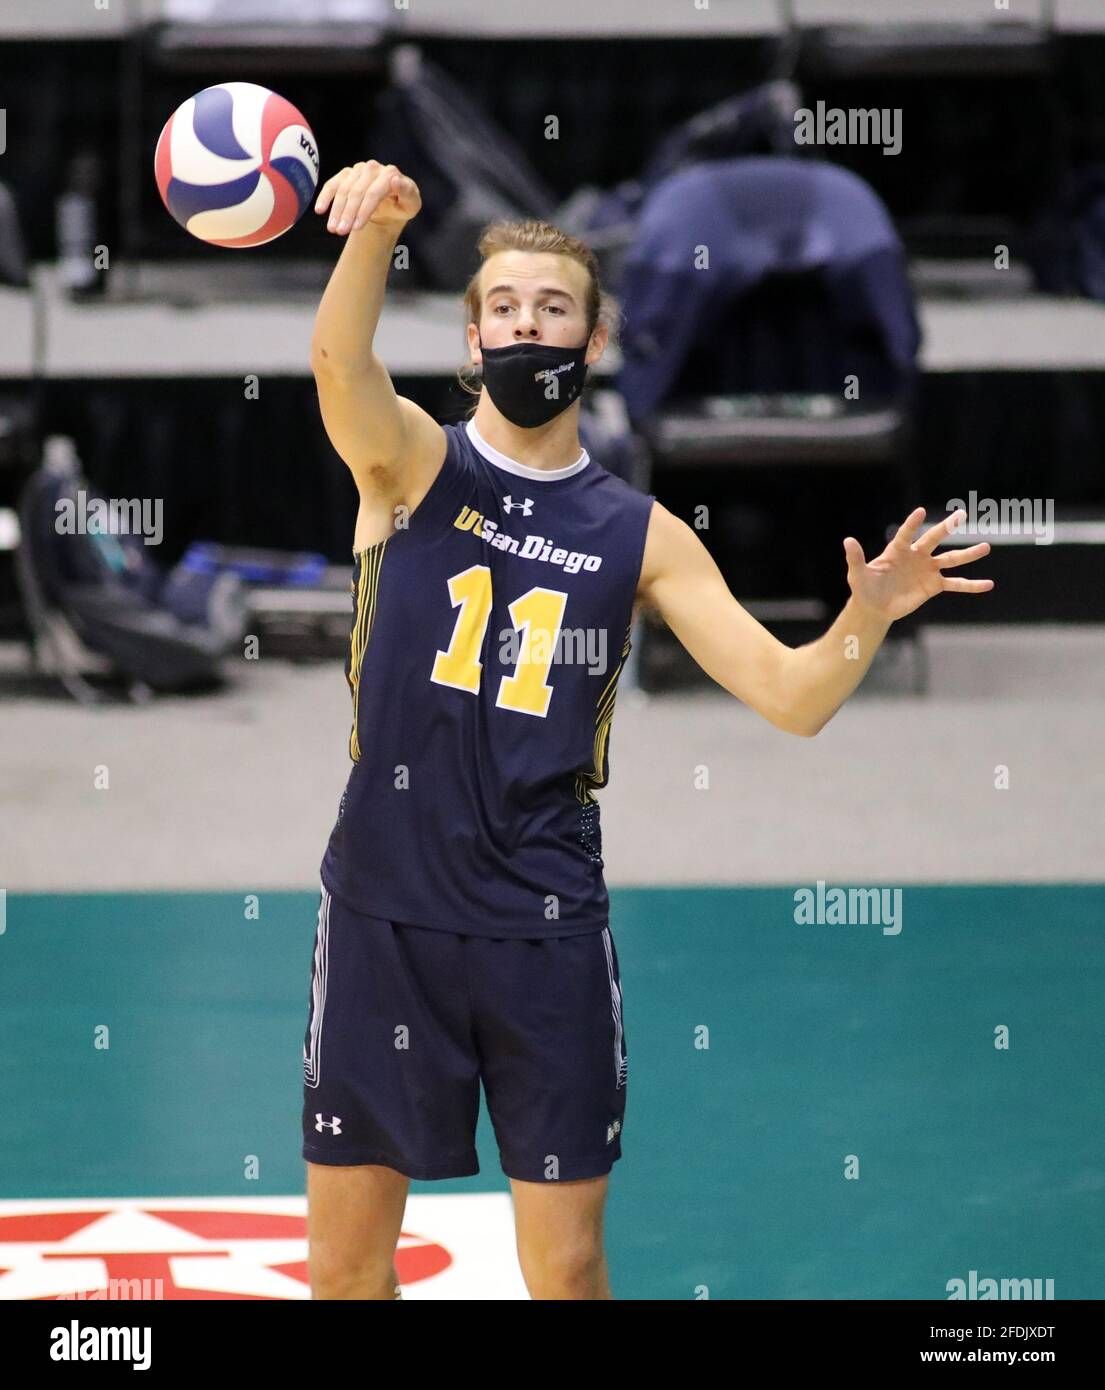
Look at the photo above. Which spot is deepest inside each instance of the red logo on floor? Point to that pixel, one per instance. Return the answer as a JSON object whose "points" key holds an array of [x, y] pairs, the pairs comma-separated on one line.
{"points": [[154, 1250]]}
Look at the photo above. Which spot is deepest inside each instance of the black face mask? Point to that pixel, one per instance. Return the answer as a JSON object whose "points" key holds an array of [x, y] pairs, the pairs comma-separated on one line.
{"points": [[531, 383]]}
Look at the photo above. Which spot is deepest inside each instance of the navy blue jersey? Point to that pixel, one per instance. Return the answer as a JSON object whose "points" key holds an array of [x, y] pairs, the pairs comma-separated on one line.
{"points": [[488, 638]]}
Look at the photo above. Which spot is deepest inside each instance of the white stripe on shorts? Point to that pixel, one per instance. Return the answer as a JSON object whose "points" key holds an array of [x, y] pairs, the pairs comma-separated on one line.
{"points": [[621, 1062], [312, 1057]]}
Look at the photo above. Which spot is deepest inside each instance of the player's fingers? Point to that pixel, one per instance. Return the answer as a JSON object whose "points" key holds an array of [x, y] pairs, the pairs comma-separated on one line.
{"points": [[348, 194], [406, 190], [322, 202], [962, 557], [338, 183], [341, 193], [361, 208], [940, 532], [904, 533], [968, 586]]}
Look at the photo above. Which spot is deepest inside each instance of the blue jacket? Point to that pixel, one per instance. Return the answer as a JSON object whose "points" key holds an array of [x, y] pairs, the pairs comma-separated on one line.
{"points": [[755, 216]]}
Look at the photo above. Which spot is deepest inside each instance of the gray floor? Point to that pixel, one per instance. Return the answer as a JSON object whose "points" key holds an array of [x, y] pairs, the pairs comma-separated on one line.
{"points": [[239, 791]]}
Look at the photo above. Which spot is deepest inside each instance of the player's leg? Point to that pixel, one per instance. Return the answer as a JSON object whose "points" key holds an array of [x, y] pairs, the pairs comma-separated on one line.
{"points": [[390, 1090], [559, 1233], [354, 1217], [548, 1017]]}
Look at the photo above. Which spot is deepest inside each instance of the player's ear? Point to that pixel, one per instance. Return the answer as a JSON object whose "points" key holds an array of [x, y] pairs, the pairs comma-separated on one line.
{"points": [[596, 344]]}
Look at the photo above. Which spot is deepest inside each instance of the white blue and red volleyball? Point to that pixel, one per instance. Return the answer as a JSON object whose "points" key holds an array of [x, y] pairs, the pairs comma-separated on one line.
{"points": [[236, 165]]}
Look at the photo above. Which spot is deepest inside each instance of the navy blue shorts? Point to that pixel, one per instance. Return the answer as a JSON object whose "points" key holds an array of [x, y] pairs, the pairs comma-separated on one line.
{"points": [[404, 1022]]}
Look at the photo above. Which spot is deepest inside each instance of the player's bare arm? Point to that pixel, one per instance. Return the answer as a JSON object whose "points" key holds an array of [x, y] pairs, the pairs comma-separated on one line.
{"points": [[796, 689], [393, 448]]}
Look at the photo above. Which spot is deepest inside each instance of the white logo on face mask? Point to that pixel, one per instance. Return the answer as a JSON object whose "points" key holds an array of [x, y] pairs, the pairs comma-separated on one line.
{"points": [[547, 373]]}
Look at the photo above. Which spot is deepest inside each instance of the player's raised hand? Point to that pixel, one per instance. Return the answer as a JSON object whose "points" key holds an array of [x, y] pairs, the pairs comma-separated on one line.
{"points": [[907, 574], [368, 192]]}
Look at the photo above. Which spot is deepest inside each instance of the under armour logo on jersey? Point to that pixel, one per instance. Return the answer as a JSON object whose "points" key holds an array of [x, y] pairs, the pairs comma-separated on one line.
{"points": [[334, 1124], [510, 504]]}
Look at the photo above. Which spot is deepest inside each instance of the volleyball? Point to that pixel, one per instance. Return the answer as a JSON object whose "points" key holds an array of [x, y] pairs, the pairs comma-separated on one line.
{"points": [[236, 165]]}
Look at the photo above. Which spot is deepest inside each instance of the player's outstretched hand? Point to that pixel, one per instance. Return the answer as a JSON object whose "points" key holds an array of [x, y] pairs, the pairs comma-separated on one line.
{"points": [[907, 574], [368, 192]]}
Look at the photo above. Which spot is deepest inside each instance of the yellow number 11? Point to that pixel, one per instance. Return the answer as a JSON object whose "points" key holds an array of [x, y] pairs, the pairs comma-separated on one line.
{"points": [[537, 615]]}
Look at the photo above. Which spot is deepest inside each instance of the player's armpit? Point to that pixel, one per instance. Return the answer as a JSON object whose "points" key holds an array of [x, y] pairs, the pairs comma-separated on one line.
{"points": [[681, 581]]}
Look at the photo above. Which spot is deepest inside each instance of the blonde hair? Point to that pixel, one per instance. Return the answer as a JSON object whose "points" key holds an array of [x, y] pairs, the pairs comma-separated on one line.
{"points": [[537, 237]]}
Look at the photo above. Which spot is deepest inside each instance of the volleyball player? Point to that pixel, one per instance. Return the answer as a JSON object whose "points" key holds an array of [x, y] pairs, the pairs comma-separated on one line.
{"points": [[463, 930]]}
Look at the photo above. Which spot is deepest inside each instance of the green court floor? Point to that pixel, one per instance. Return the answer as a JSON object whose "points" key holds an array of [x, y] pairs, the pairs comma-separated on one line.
{"points": [[762, 1054]]}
